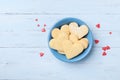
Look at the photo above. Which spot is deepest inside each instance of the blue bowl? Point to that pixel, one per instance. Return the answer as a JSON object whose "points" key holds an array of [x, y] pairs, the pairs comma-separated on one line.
{"points": [[89, 36]]}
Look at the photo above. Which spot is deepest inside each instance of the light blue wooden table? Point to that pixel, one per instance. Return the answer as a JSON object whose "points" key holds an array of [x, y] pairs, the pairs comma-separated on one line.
{"points": [[21, 40]]}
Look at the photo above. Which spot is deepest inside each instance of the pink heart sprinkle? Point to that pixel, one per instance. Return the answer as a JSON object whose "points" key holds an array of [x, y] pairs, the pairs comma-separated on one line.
{"points": [[104, 48], [104, 54], [45, 25], [96, 41], [36, 19], [43, 30], [41, 54], [98, 25], [110, 33], [38, 25], [107, 47]]}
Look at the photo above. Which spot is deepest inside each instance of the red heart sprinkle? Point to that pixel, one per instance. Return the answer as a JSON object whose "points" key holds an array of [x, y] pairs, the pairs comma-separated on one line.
{"points": [[41, 54], [104, 54], [110, 33], [98, 25], [45, 25], [36, 19], [96, 41], [38, 25], [107, 47], [104, 48], [43, 30]]}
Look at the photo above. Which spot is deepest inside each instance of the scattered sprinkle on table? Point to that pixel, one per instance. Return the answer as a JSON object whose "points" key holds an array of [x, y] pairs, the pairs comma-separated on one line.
{"points": [[38, 25], [36, 19], [43, 30], [96, 41], [45, 25], [105, 48], [98, 25], [110, 33], [104, 54], [41, 54]]}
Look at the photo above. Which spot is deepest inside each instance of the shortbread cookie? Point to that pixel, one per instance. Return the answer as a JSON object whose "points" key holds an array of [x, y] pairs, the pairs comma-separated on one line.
{"points": [[73, 24], [65, 28], [56, 44], [62, 35], [84, 42], [55, 32], [74, 51], [66, 44], [79, 31], [73, 38]]}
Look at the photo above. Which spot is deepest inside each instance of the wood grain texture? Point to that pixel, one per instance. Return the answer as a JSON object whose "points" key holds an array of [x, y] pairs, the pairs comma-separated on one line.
{"points": [[21, 40]]}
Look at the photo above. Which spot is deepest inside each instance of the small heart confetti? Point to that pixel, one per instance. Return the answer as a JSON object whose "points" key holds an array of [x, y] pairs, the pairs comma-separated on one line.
{"points": [[43, 30], [45, 25], [107, 47], [104, 54], [36, 19], [38, 25], [41, 54], [104, 48], [96, 41], [110, 33], [98, 25]]}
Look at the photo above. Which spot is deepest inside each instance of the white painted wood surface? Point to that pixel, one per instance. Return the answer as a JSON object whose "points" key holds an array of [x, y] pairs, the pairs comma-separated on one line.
{"points": [[21, 40]]}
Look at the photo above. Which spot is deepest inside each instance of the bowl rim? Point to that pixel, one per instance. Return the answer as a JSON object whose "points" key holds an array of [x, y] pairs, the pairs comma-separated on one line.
{"points": [[71, 60]]}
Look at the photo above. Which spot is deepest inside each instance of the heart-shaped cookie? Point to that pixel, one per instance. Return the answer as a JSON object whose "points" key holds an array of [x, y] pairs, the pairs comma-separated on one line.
{"points": [[84, 42], [55, 32], [65, 28], [58, 37], [78, 31], [73, 38], [62, 35], [72, 50], [56, 44], [66, 44]]}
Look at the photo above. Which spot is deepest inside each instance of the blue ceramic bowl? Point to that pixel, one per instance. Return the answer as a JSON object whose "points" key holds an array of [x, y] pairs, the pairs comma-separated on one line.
{"points": [[88, 36]]}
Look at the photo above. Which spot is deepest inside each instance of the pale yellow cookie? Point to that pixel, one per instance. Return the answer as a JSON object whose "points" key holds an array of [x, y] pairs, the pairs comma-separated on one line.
{"points": [[79, 31], [62, 35], [55, 32], [73, 27], [73, 24], [84, 42], [74, 51], [73, 38], [56, 44], [66, 44], [65, 28], [82, 31]]}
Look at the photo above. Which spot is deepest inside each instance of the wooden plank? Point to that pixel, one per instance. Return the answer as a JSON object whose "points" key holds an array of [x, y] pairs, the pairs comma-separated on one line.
{"points": [[21, 31], [31, 56], [30, 7], [39, 39], [26, 64], [22, 23]]}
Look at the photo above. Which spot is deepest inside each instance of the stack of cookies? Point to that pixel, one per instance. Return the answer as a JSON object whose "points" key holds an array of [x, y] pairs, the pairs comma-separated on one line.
{"points": [[70, 39]]}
